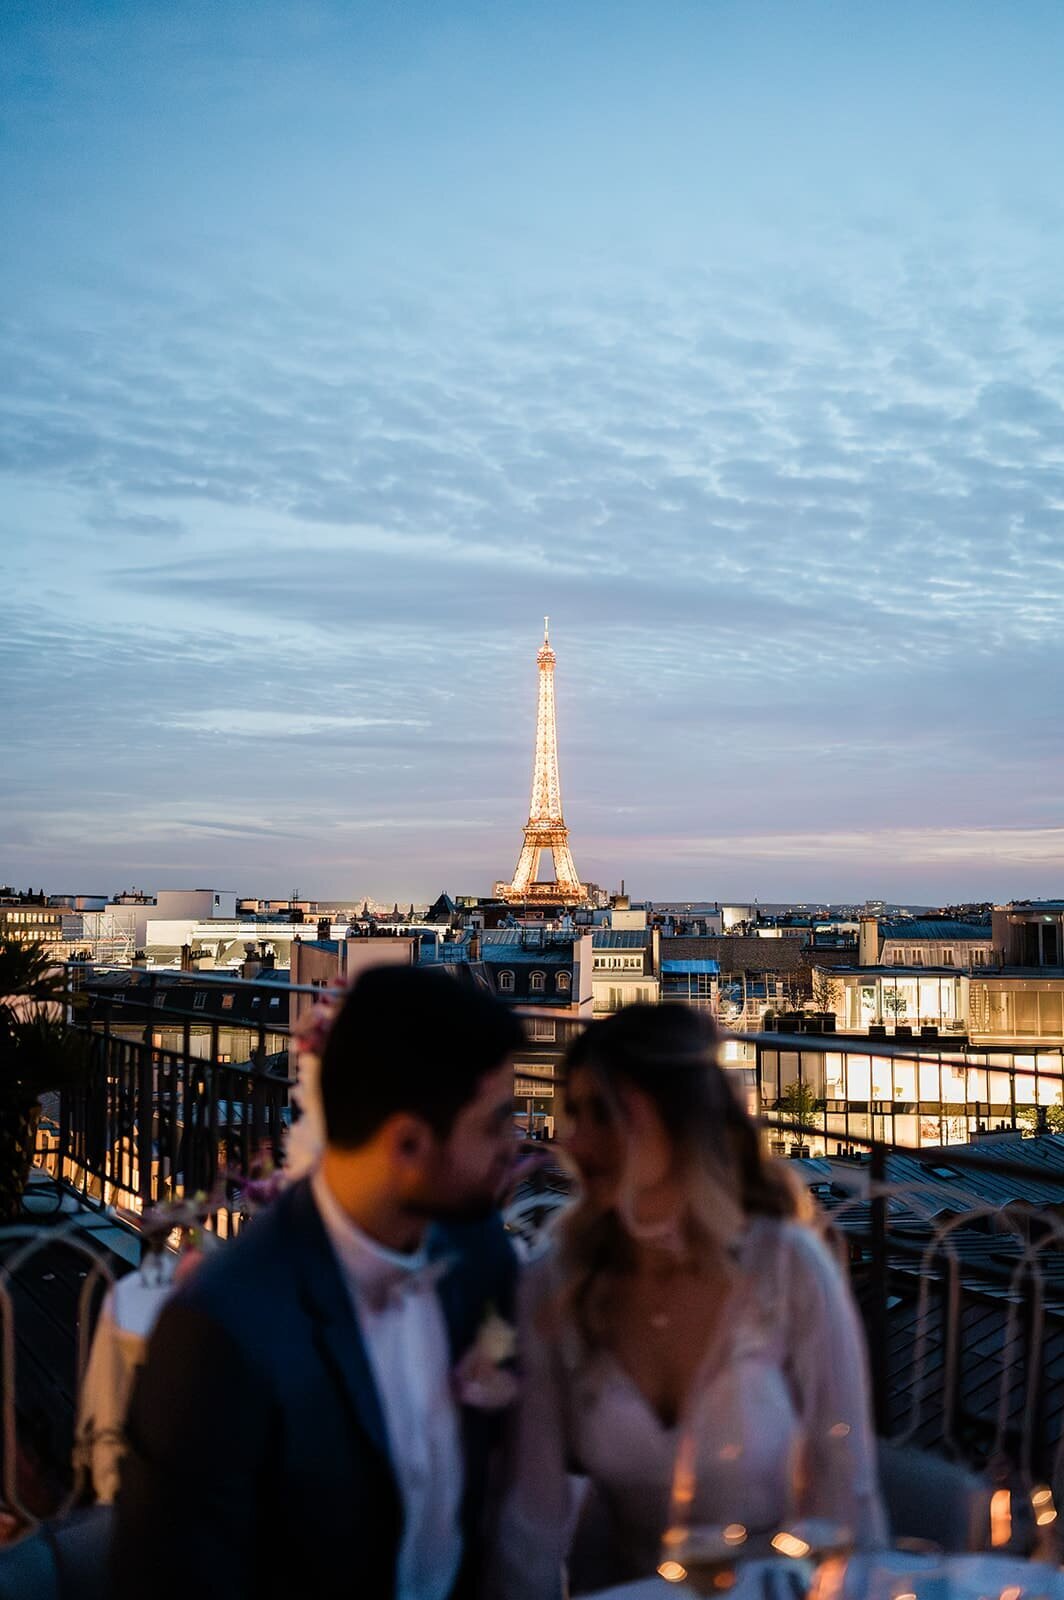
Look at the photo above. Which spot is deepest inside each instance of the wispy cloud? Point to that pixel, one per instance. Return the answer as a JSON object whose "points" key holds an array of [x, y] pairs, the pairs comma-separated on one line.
{"points": [[783, 458]]}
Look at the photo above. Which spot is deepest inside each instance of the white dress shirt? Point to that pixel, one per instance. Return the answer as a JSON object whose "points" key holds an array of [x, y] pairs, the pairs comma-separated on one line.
{"points": [[407, 1346]]}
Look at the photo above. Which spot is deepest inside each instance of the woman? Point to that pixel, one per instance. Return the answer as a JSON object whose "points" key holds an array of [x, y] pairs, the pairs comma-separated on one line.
{"points": [[684, 1303]]}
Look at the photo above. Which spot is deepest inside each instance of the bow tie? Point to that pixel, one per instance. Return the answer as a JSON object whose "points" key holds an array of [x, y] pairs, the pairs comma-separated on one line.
{"points": [[391, 1288]]}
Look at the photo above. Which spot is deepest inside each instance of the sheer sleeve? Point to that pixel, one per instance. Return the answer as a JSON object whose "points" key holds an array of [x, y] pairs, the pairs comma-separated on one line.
{"points": [[534, 1522], [828, 1366]]}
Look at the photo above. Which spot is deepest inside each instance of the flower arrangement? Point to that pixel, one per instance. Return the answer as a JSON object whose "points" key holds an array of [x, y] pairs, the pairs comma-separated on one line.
{"points": [[306, 1141]]}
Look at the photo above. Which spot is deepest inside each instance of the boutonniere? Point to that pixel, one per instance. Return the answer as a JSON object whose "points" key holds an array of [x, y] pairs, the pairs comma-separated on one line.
{"points": [[485, 1378]]}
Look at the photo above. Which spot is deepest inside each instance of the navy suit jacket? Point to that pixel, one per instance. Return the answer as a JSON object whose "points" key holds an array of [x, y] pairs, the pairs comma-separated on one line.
{"points": [[258, 1460]]}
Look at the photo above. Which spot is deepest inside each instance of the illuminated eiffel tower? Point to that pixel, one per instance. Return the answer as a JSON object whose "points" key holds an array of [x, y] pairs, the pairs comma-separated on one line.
{"points": [[545, 828]]}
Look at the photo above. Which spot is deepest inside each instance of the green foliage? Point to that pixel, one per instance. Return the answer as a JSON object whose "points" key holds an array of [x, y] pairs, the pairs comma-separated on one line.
{"points": [[1054, 1117], [39, 1053], [895, 1003], [798, 1104], [826, 991]]}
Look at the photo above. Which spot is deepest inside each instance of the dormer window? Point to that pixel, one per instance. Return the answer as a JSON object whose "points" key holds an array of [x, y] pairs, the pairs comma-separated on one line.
{"points": [[506, 982], [537, 982], [563, 982]]}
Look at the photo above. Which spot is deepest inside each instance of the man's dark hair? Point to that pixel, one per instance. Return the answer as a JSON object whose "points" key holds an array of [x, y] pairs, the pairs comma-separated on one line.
{"points": [[409, 1039]]}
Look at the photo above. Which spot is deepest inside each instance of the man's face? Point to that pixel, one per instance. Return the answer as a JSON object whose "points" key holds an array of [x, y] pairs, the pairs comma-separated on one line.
{"points": [[465, 1175]]}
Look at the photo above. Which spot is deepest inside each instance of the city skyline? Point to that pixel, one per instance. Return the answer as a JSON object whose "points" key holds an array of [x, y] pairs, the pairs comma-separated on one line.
{"points": [[347, 342]]}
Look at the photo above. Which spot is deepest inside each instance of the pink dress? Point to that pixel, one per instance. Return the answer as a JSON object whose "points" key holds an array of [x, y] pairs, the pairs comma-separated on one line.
{"points": [[788, 1362]]}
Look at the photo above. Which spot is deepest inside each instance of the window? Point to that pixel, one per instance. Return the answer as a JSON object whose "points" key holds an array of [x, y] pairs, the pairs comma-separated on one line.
{"points": [[506, 983], [916, 958], [537, 982], [947, 957], [541, 1029], [275, 1000], [563, 982], [227, 1002], [160, 999], [199, 1000]]}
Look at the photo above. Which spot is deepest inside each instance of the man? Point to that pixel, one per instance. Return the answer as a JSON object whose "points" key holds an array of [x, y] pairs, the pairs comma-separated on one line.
{"points": [[296, 1429]]}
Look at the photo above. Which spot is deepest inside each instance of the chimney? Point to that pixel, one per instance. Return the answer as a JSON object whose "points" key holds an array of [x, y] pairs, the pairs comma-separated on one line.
{"points": [[324, 927]]}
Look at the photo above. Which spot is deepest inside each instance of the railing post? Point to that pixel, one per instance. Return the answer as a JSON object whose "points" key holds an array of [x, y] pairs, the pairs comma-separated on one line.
{"points": [[877, 1319], [145, 1110]]}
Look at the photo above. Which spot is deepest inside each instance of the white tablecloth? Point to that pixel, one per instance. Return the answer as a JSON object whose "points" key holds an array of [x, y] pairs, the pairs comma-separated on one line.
{"points": [[968, 1577], [119, 1345]]}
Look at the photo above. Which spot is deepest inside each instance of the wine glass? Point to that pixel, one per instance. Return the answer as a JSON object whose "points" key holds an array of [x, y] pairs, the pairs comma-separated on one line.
{"points": [[733, 1499], [717, 1517], [816, 1526]]}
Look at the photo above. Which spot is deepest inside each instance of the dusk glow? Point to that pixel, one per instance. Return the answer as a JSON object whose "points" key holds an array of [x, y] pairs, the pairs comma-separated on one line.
{"points": [[343, 342]]}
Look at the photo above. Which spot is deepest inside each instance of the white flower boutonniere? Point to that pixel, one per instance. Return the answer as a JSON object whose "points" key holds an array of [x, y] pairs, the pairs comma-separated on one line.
{"points": [[484, 1378]]}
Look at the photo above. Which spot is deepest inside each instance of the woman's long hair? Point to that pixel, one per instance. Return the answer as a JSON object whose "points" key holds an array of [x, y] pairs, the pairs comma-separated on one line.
{"points": [[670, 1054]]}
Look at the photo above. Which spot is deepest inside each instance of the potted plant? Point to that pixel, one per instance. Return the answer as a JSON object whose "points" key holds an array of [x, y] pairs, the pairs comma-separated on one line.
{"points": [[895, 1004], [39, 1054], [799, 1105], [825, 1002]]}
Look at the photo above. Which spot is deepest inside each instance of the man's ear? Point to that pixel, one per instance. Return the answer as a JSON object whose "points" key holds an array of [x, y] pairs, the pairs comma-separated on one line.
{"points": [[408, 1138]]}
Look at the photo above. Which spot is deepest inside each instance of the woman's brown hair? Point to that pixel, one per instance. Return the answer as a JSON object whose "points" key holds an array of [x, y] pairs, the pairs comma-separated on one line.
{"points": [[670, 1053]]}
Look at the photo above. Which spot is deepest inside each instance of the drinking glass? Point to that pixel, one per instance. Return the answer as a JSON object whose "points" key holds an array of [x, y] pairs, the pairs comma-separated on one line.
{"points": [[734, 1503]]}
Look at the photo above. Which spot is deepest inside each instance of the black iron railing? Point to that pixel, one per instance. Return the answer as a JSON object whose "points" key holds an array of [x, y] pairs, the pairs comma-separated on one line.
{"points": [[165, 1112], [161, 1116]]}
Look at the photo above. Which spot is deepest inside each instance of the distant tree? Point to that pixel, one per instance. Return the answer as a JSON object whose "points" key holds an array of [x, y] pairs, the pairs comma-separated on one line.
{"points": [[1042, 1119], [798, 1104], [895, 1003], [826, 991]]}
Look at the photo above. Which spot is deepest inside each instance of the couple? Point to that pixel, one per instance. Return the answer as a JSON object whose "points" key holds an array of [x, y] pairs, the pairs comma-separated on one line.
{"points": [[318, 1413]]}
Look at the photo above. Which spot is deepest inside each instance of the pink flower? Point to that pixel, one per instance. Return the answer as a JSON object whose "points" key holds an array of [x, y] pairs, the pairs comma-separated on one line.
{"points": [[484, 1378]]}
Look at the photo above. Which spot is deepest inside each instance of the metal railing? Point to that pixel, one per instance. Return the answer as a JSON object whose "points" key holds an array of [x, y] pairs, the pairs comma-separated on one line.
{"points": [[159, 1115], [157, 1122]]}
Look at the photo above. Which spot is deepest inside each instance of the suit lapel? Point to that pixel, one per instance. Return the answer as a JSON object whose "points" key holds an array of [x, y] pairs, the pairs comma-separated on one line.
{"points": [[453, 1292], [336, 1326]]}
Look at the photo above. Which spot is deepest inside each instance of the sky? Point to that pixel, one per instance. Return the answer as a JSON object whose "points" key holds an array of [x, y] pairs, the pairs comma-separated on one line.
{"points": [[343, 342]]}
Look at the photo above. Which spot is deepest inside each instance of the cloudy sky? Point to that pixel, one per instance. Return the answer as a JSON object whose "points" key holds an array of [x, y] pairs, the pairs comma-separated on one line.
{"points": [[343, 341]]}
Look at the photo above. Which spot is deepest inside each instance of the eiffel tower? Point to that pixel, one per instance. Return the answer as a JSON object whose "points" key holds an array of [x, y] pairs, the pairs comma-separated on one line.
{"points": [[545, 828]]}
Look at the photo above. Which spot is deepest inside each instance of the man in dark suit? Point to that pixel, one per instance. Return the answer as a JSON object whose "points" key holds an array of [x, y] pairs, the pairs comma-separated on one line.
{"points": [[297, 1430]]}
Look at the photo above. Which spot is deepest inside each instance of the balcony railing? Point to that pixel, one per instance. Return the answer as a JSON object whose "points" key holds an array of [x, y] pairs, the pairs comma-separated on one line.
{"points": [[161, 1115], [964, 1311]]}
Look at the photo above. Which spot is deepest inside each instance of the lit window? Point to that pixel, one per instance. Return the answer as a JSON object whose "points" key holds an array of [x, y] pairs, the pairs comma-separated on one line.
{"points": [[537, 982], [563, 982], [227, 1002], [506, 983]]}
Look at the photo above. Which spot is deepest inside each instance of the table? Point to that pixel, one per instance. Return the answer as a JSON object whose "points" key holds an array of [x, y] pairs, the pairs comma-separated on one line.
{"points": [[967, 1577]]}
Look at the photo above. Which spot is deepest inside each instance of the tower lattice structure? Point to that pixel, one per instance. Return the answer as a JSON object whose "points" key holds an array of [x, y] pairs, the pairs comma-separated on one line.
{"points": [[545, 828]]}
